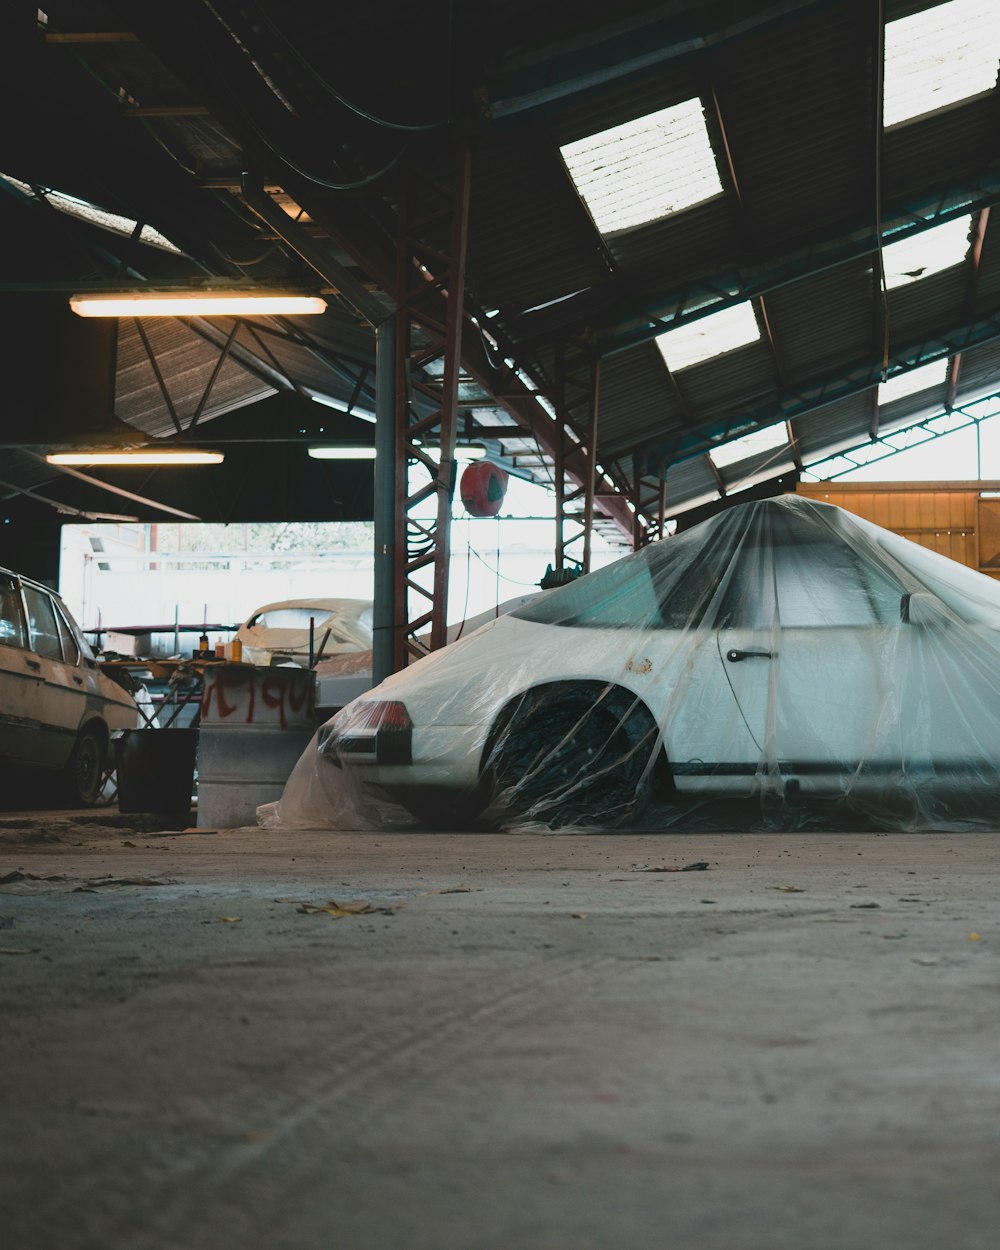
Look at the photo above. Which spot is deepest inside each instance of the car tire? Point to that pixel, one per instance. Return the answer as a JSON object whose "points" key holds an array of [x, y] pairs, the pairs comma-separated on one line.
{"points": [[573, 755], [84, 774]]}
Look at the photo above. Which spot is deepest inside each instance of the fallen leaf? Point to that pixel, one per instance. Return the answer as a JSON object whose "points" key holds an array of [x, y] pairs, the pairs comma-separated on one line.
{"points": [[974, 937], [230, 919], [865, 906], [789, 889], [578, 915], [338, 910], [450, 889]]}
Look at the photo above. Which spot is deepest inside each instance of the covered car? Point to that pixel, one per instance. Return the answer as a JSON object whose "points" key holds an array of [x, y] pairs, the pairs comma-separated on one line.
{"points": [[279, 633], [783, 652], [58, 709]]}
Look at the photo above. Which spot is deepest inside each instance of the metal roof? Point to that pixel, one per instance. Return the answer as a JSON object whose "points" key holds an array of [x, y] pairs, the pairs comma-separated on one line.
{"points": [[195, 119]]}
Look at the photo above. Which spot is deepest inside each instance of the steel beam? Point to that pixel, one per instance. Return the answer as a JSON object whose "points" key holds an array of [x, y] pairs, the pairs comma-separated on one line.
{"points": [[724, 425], [660, 311], [425, 338]]}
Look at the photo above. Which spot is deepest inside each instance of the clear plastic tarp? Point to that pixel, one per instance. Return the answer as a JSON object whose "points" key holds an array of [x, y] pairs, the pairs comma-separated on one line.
{"points": [[782, 665]]}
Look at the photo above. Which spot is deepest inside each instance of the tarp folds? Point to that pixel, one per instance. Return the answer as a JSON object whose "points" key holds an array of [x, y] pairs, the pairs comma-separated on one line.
{"points": [[783, 665]]}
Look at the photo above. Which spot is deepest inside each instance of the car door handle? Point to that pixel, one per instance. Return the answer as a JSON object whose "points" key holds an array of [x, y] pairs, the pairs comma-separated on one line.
{"points": [[735, 656], [35, 664]]}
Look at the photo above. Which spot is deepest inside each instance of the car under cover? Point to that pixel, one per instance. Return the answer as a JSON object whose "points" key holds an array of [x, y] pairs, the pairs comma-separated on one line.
{"points": [[784, 664]]}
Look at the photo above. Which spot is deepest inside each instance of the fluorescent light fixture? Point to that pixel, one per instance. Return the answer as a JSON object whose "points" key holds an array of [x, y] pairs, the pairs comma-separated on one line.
{"points": [[341, 405], [939, 56], [464, 452], [331, 452], [912, 381], [645, 169], [709, 336], [754, 444], [138, 456], [929, 252], [195, 304]]}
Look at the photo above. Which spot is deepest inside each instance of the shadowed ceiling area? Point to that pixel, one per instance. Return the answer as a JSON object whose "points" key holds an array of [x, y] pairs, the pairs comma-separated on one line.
{"points": [[757, 221]]}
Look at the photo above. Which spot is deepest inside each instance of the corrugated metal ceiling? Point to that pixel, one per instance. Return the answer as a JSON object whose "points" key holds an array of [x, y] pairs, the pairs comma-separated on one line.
{"points": [[788, 93]]}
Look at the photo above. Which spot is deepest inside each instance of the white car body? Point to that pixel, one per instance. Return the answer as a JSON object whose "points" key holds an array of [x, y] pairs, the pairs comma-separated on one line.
{"points": [[279, 632], [841, 661], [57, 708]]}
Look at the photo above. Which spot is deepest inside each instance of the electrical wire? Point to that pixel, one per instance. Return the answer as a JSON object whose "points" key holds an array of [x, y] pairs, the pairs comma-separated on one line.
{"points": [[879, 107], [513, 580], [327, 86]]}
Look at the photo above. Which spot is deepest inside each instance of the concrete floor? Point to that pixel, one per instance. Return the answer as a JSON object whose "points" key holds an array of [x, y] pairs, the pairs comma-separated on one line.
{"points": [[528, 1043]]}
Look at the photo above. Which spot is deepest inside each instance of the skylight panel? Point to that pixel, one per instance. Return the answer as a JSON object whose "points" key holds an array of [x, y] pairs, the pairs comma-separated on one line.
{"points": [[709, 336], [929, 252], [938, 57], [769, 439], [919, 379], [645, 169]]}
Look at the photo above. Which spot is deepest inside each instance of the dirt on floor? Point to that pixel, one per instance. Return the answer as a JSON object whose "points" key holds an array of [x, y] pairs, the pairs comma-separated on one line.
{"points": [[483, 1042]]}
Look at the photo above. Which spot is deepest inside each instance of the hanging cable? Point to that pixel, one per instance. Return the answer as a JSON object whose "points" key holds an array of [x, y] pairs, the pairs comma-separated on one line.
{"points": [[878, 103], [357, 109]]}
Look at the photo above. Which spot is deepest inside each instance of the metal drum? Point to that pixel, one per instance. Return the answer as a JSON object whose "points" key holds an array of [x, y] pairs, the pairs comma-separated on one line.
{"points": [[255, 723]]}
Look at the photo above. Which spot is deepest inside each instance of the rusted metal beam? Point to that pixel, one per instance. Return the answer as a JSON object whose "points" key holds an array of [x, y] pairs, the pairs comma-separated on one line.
{"points": [[971, 291], [591, 472], [353, 232], [427, 334]]}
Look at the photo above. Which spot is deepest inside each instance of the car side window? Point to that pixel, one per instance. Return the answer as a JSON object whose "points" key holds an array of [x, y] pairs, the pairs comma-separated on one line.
{"points": [[43, 629], [12, 632], [70, 649], [809, 586]]}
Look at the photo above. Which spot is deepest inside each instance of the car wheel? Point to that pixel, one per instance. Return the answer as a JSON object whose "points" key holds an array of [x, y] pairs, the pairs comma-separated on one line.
{"points": [[85, 770], [574, 756]]}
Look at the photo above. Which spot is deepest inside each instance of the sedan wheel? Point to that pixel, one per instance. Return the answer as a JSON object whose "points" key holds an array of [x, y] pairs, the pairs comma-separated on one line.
{"points": [[85, 770], [568, 758]]}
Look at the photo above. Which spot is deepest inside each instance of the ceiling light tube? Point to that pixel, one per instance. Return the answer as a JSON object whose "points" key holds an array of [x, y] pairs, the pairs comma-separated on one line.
{"points": [[195, 304], [331, 452], [138, 456]]}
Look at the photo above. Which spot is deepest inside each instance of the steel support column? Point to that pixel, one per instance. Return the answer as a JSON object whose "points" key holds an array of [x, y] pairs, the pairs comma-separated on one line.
{"points": [[428, 367], [577, 387], [384, 615]]}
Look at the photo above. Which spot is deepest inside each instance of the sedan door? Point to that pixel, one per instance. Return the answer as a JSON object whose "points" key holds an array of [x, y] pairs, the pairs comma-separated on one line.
{"points": [[810, 653], [20, 679], [63, 692]]}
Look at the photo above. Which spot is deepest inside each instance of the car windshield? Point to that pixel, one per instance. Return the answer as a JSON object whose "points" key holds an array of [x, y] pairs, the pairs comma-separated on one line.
{"points": [[289, 618], [785, 568]]}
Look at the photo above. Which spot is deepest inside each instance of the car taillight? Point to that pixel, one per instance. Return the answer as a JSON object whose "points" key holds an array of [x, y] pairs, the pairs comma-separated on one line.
{"points": [[386, 716], [377, 730]]}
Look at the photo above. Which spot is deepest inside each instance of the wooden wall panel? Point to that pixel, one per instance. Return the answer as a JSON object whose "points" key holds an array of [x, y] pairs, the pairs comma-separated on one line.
{"points": [[951, 518]]}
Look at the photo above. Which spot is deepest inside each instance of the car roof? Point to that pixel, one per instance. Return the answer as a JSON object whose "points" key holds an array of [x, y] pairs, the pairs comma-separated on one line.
{"points": [[30, 581]]}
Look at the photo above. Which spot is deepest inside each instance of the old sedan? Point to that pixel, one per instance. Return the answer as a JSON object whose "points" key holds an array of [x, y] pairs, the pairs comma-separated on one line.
{"points": [[57, 708], [782, 649]]}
